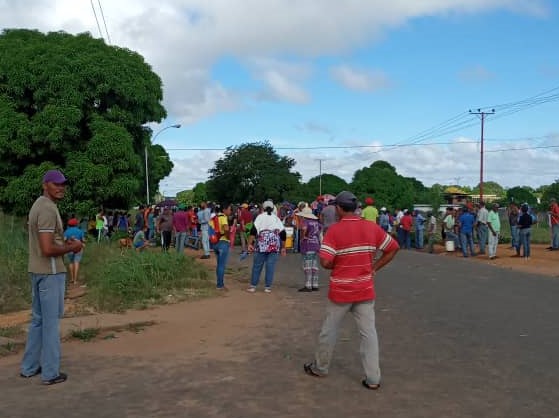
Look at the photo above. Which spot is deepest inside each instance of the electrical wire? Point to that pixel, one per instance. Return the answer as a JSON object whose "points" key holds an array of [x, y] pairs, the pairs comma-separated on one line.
{"points": [[104, 22], [96, 20]]}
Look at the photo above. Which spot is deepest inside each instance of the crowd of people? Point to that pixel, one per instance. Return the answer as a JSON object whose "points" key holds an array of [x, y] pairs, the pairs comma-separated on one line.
{"points": [[352, 242]]}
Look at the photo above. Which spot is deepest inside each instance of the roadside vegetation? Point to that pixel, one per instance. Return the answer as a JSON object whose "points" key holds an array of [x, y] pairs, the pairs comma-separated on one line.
{"points": [[114, 282]]}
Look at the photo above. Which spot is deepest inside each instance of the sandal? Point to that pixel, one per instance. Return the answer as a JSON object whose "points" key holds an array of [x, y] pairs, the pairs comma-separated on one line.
{"points": [[308, 370], [370, 386]]}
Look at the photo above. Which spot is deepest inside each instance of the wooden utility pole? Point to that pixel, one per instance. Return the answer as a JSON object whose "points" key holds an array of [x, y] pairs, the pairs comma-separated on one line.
{"points": [[482, 116]]}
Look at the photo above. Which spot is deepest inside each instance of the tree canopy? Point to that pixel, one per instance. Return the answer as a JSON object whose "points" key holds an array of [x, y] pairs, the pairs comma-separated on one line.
{"points": [[381, 181], [520, 194], [75, 103], [252, 172]]}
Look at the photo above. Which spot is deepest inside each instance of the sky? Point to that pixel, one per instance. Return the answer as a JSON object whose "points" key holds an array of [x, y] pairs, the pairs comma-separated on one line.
{"points": [[337, 85]]}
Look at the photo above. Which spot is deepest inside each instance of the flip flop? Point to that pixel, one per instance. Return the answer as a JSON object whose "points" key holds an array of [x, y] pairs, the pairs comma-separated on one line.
{"points": [[308, 370], [370, 386]]}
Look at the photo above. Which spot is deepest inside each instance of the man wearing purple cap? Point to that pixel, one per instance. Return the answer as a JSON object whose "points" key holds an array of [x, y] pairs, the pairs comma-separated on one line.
{"points": [[48, 275]]}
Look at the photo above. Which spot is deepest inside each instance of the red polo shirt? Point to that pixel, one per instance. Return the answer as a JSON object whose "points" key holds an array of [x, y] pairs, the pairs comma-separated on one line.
{"points": [[351, 244]]}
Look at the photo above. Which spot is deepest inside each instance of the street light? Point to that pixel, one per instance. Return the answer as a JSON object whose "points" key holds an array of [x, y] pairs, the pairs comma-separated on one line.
{"points": [[146, 157]]}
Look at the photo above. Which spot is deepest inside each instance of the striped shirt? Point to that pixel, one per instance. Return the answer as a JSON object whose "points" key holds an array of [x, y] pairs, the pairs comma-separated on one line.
{"points": [[352, 244]]}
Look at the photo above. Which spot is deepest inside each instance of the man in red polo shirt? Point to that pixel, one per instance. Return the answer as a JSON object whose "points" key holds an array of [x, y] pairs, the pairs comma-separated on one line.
{"points": [[349, 249]]}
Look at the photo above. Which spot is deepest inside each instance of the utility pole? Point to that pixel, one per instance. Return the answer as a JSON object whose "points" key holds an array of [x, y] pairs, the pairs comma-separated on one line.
{"points": [[482, 116]]}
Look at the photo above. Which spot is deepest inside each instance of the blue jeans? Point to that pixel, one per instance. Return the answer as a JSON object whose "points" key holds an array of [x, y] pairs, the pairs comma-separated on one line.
{"points": [[180, 238], [467, 240], [419, 238], [525, 234], [482, 231], [221, 250], [261, 259], [205, 239], [43, 340], [515, 242], [555, 236]]}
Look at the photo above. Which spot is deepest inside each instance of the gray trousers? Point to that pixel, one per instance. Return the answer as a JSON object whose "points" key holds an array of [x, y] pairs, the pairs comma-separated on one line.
{"points": [[364, 315]]}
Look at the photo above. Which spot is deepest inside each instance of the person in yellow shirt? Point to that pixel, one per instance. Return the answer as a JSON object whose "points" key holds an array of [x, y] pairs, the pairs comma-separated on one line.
{"points": [[370, 212], [221, 249]]}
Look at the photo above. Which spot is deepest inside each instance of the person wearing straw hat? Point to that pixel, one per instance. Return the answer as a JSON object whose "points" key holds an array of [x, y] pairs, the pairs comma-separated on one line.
{"points": [[310, 245]]}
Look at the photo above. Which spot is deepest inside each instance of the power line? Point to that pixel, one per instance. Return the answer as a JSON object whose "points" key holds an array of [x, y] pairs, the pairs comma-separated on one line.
{"points": [[104, 22], [96, 20], [388, 147]]}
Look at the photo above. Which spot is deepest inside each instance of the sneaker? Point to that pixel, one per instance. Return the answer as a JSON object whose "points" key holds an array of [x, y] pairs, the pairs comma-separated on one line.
{"points": [[305, 289], [251, 289], [267, 290], [222, 288], [31, 375], [315, 289], [61, 378], [205, 257]]}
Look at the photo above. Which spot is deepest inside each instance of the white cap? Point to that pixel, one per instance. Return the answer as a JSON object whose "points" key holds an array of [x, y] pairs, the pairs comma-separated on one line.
{"points": [[268, 204]]}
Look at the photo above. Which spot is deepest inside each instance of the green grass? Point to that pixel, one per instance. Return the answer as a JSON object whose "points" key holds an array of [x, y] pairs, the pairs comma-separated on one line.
{"points": [[15, 289], [86, 334], [11, 332], [115, 282], [136, 280]]}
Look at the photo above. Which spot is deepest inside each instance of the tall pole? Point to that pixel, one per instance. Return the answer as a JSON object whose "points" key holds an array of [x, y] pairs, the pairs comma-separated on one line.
{"points": [[146, 156], [482, 116]]}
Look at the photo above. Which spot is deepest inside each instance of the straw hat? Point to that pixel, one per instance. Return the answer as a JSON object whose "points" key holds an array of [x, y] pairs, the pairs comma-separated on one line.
{"points": [[307, 213]]}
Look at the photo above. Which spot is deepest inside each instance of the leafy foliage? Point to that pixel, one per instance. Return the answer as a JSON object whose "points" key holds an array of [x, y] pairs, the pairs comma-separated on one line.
{"points": [[75, 103], [381, 181], [520, 194], [331, 184], [252, 172], [490, 187]]}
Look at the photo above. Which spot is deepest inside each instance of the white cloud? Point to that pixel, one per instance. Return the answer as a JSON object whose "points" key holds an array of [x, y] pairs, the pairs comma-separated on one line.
{"points": [[360, 80], [282, 80], [184, 37]]}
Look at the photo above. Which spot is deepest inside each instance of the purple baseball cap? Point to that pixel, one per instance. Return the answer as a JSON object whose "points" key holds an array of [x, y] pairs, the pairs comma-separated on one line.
{"points": [[54, 176]]}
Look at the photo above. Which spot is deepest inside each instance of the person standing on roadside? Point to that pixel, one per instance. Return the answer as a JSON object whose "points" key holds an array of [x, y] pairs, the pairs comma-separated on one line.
{"points": [[74, 259], [482, 229], [266, 241], [494, 225], [165, 228], [554, 221], [349, 249], [204, 215], [48, 275], [222, 247]]}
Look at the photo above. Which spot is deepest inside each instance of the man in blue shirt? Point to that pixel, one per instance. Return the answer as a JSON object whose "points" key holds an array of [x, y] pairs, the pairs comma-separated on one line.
{"points": [[466, 223]]}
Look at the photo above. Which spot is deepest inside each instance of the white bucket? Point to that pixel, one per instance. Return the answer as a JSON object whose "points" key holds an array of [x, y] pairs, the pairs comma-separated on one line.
{"points": [[449, 245]]}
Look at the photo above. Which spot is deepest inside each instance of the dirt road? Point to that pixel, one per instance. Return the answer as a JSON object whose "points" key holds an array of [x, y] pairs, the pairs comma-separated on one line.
{"points": [[459, 338]]}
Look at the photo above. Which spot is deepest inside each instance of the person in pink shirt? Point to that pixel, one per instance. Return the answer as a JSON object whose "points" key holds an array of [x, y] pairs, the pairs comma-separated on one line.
{"points": [[181, 226]]}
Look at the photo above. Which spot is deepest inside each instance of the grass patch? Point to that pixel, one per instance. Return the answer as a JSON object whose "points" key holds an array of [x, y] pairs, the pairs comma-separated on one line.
{"points": [[85, 334], [15, 289], [138, 280], [11, 332]]}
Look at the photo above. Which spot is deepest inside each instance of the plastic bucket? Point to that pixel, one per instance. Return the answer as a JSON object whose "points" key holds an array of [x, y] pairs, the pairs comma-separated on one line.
{"points": [[449, 245]]}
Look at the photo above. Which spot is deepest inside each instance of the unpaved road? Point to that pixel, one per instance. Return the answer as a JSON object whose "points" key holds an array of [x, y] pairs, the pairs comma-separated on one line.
{"points": [[459, 338]]}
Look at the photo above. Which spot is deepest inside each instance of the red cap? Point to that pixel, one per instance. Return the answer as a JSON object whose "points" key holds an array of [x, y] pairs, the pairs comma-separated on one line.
{"points": [[369, 201], [73, 222]]}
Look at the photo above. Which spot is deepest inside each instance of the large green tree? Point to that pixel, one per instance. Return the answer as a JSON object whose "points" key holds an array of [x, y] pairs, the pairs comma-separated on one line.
{"points": [[490, 187], [521, 194], [252, 172], [75, 103], [331, 184], [381, 181]]}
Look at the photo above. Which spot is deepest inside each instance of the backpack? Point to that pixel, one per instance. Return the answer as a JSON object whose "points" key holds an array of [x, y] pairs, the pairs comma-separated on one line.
{"points": [[214, 230], [268, 241]]}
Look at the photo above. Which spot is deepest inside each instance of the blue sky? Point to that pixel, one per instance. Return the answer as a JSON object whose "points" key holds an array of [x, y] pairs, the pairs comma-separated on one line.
{"points": [[324, 73]]}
